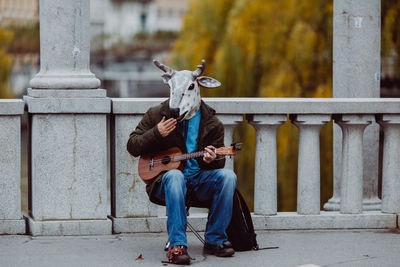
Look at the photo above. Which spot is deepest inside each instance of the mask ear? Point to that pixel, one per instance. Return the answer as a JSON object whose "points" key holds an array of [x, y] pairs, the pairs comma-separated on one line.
{"points": [[166, 77], [208, 82]]}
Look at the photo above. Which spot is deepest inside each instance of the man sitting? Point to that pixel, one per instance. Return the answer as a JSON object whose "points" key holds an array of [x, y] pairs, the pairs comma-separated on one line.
{"points": [[186, 122]]}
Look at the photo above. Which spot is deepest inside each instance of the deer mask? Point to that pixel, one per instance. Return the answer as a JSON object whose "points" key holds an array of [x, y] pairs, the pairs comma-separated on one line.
{"points": [[184, 100]]}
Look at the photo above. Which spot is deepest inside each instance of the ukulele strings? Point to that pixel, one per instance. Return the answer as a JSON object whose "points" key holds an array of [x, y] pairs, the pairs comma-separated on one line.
{"points": [[187, 156], [183, 156]]}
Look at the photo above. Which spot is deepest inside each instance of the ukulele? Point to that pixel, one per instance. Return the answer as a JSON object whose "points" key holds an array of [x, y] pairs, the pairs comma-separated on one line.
{"points": [[152, 165]]}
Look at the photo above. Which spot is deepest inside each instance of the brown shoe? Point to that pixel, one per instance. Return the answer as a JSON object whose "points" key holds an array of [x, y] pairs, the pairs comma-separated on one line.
{"points": [[178, 255], [221, 250]]}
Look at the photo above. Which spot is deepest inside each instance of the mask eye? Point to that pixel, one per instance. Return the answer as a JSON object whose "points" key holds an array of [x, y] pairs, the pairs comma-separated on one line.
{"points": [[191, 87]]}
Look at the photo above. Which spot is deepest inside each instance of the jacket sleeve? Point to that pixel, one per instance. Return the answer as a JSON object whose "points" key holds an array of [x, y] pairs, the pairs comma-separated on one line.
{"points": [[216, 139], [145, 138]]}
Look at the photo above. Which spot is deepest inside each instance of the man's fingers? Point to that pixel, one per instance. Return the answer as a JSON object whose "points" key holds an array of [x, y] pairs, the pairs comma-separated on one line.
{"points": [[169, 129], [170, 122], [209, 155], [166, 126], [210, 151]]}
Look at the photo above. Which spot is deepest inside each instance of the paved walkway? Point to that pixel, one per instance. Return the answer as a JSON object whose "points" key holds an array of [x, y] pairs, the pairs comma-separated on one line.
{"points": [[319, 248]]}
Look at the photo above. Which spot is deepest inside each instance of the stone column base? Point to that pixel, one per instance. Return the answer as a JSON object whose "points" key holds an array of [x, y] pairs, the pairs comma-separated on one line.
{"points": [[333, 204], [372, 204], [12, 227], [69, 227]]}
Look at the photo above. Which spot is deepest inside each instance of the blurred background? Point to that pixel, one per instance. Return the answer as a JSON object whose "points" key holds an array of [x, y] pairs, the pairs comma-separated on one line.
{"points": [[256, 48]]}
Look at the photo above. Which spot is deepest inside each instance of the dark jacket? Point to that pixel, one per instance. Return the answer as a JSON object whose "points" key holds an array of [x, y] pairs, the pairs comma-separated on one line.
{"points": [[147, 139]]}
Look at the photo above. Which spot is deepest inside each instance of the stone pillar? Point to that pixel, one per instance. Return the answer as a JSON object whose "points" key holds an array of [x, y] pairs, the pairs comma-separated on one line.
{"points": [[356, 73], [391, 163], [308, 171], [68, 128], [11, 221], [64, 46], [265, 183], [230, 122], [351, 192]]}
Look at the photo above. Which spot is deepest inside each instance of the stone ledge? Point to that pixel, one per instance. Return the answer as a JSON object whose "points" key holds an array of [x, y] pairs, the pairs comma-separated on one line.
{"points": [[68, 105], [326, 220], [282, 221], [12, 227], [11, 107], [285, 105], [153, 224], [67, 93], [69, 227]]}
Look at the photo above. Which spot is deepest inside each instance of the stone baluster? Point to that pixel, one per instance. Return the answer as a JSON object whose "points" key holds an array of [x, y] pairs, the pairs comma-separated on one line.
{"points": [[229, 121], [68, 128], [265, 184], [11, 221], [351, 193], [391, 163], [308, 171]]}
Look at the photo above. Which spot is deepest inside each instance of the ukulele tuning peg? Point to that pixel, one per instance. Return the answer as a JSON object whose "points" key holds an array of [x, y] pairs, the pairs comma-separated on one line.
{"points": [[237, 146]]}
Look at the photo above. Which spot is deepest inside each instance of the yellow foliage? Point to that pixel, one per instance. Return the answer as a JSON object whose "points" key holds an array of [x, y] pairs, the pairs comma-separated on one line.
{"points": [[271, 48], [5, 62], [391, 31]]}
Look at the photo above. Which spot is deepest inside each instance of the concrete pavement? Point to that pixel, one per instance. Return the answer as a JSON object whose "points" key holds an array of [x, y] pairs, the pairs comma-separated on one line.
{"points": [[296, 248]]}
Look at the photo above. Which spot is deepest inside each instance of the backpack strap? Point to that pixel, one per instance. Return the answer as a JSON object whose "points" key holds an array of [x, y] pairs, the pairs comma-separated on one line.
{"points": [[247, 215], [246, 212]]}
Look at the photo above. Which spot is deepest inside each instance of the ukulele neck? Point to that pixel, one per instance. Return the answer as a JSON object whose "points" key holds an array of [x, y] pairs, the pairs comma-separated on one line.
{"points": [[192, 155]]}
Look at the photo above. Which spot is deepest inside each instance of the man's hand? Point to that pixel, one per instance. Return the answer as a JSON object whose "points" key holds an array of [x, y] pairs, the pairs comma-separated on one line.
{"points": [[165, 127], [210, 155]]}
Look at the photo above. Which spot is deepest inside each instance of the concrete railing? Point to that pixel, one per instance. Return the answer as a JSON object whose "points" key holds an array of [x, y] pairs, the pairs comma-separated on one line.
{"points": [[133, 212], [68, 163], [11, 221]]}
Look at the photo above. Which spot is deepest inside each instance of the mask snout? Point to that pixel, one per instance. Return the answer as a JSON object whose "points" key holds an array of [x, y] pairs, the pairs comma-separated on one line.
{"points": [[174, 112]]}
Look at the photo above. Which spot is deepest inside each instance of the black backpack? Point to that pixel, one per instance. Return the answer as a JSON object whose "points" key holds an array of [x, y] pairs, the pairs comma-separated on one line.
{"points": [[241, 230]]}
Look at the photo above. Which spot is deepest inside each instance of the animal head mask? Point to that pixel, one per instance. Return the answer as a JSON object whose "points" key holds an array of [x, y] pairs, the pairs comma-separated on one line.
{"points": [[184, 100]]}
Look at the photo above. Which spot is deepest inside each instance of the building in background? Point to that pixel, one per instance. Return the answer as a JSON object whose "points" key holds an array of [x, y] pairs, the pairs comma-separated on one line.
{"points": [[120, 20], [19, 12], [170, 14], [126, 36], [123, 63]]}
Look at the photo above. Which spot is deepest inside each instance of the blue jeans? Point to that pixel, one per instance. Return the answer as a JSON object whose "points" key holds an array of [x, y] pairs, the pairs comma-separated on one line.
{"points": [[215, 185]]}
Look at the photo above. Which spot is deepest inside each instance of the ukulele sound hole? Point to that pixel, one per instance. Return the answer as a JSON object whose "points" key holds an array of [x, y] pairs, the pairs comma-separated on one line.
{"points": [[166, 160]]}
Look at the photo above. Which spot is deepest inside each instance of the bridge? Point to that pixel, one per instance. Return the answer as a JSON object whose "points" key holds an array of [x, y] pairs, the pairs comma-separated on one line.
{"points": [[69, 141]]}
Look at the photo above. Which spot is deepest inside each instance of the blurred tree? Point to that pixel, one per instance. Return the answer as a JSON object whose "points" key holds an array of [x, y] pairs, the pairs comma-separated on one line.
{"points": [[5, 62], [204, 29], [391, 33], [26, 39], [259, 48], [274, 48]]}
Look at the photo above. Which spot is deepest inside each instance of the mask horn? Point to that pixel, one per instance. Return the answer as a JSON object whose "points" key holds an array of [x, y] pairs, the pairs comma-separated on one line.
{"points": [[163, 67], [199, 70]]}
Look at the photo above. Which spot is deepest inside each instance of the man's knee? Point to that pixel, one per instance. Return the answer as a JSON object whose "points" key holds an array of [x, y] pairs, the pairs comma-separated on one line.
{"points": [[174, 178], [228, 177]]}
